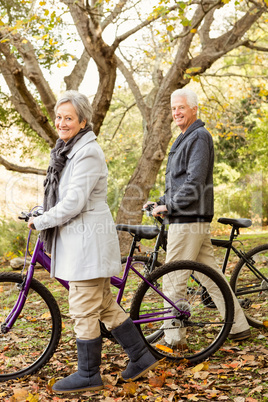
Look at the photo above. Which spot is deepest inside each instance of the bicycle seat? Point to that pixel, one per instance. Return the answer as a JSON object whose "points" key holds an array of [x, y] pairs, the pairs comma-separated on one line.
{"points": [[144, 232], [238, 223]]}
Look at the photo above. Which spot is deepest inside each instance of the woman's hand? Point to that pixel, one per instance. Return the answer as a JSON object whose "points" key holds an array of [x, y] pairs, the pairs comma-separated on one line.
{"points": [[30, 223]]}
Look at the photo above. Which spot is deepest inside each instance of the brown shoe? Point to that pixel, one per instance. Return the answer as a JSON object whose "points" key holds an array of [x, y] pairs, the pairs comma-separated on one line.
{"points": [[240, 336]]}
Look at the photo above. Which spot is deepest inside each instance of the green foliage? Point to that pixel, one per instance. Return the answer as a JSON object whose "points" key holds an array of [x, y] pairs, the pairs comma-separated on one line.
{"points": [[244, 198], [13, 238], [40, 23], [256, 153], [17, 137], [121, 140], [234, 143]]}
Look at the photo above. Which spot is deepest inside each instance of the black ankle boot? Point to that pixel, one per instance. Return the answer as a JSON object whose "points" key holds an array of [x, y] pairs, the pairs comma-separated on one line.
{"points": [[141, 359], [87, 378]]}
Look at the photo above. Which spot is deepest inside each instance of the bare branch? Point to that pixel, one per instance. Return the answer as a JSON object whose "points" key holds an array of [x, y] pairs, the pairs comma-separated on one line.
{"points": [[121, 119], [235, 75], [134, 88], [143, 24], [250, 45], [21, 169], [74, 80], [116, 11]]}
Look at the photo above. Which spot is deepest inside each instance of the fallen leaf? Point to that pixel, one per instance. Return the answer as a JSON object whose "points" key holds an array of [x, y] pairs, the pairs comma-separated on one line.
{"points": [[249, 357], [20, 394], [257, 389], [193, 397], [202, 366], [164, 348], [203, 375], [130, 388], [32, 398], [157, 381]]}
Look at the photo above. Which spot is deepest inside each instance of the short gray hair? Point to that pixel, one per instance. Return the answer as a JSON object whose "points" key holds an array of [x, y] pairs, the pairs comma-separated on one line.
{"points": [[191, 97], [81, 105]]}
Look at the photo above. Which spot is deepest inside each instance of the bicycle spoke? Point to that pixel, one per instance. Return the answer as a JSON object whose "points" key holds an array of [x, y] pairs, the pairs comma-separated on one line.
{"points": [[194, 331], [250, 283], [35, 335]]}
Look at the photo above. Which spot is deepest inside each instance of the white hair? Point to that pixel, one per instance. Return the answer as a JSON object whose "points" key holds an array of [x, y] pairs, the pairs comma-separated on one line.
{"points": [[191, 97]]}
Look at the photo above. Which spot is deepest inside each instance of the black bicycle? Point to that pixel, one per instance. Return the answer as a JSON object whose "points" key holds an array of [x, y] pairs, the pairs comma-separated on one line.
{"points": [[249, 279]]}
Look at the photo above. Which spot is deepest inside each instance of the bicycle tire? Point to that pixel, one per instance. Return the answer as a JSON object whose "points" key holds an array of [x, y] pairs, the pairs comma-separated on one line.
{"points": [[206, 331], [35, 335], [251, 291]]}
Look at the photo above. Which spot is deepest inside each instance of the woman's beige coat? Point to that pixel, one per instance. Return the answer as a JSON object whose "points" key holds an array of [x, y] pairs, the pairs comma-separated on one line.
{"points": [[85, 245]]}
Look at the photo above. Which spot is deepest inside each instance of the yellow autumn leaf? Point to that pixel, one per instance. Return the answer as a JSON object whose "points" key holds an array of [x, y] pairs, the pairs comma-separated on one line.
{"points": [[193, 30], [32, 319], [130, 388], [32, 398], [202, 366], [164, 348], [45, 316], [265, 323], [51, 382]]}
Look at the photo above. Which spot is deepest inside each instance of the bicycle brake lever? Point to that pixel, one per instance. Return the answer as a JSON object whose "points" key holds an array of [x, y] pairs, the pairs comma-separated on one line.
{"points": [[25, 216]]}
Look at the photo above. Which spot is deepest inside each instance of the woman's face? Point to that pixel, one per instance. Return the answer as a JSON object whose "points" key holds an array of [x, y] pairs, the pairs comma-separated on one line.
{"points": [[66, 122]]}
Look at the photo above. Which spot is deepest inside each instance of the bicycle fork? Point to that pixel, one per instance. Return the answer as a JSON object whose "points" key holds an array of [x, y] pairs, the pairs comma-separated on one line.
{"points": [[24, 287]]}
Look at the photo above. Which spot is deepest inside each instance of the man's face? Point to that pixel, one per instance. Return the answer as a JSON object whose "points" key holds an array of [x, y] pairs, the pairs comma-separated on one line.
{"points": [[182, 114]]}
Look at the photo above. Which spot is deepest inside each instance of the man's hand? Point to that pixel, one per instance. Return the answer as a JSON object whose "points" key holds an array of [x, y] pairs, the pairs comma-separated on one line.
{"points": [[159, 210], [149, 203]]}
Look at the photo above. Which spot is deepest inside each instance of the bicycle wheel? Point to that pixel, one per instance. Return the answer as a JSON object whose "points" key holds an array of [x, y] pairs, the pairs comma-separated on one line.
{"points": [[35, 335], [201, 330], [250, 287]]}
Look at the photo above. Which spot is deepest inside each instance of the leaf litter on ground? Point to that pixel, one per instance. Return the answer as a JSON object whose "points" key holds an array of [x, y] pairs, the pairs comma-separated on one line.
{"points": [[237, 372]]}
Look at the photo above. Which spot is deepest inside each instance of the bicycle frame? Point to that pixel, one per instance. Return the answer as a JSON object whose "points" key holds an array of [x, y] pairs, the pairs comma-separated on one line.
{"points": [[41, 257], [223, 243]]}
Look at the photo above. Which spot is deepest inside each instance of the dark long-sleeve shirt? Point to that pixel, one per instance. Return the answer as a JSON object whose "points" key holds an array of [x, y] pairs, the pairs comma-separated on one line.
{"points": [[189, 176]]}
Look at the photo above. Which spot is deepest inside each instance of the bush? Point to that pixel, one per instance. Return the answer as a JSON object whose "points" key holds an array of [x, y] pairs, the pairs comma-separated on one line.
{"points": [[13, 238]]}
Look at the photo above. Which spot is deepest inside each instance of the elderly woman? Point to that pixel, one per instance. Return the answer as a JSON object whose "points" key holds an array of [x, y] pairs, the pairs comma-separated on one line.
{"points": [[78, 230]]}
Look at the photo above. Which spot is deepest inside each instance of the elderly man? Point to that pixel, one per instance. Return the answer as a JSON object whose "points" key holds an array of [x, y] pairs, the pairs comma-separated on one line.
{"points": [[188, 204]]}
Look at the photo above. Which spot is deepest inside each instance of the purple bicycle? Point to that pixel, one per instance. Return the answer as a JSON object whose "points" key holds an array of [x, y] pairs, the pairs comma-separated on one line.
{"points": [[30, 318]]}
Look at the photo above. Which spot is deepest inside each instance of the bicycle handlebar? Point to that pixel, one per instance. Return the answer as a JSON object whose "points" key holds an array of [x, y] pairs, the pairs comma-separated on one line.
{"points": [[148, 211], [25, 216]]}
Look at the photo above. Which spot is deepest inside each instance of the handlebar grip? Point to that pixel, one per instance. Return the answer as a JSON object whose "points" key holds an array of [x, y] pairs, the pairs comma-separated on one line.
{"points": [[25, 216]]}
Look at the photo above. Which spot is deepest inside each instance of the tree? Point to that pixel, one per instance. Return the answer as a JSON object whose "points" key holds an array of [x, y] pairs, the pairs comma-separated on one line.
{"points": [[180, 42]]}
